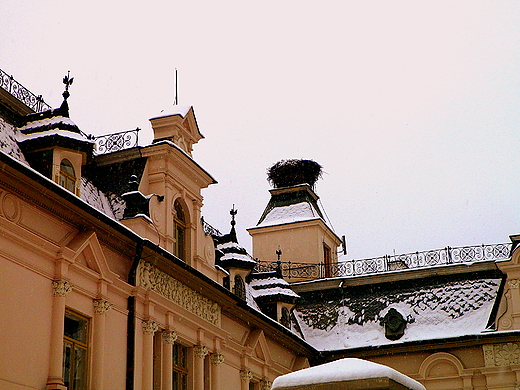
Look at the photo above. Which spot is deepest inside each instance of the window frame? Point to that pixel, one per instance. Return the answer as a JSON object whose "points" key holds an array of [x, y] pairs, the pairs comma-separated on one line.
{"points": [[69, 380], [180, 369], [67, 179], [179, 226]]}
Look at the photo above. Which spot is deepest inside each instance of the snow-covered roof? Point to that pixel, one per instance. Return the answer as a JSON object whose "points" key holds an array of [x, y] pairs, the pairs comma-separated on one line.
{"points": [[431, 310], [270, 286], [8, 144], [302, 211], [48, 133], [175, 110], [343, 370]]}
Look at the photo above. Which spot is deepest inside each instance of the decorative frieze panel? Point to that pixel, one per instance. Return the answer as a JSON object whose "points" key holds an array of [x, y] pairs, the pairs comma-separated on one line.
{"points": [[101, 306], [504, 354], [60, 288], [151, 278]]}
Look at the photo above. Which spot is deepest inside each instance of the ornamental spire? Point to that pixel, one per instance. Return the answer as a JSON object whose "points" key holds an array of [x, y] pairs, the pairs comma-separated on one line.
{"points": [[67, 80], [233, 232]]}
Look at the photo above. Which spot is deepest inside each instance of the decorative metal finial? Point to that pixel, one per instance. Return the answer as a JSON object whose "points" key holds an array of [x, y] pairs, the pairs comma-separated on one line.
{"points": [[67, 80], [233, 212], [279, 262]]}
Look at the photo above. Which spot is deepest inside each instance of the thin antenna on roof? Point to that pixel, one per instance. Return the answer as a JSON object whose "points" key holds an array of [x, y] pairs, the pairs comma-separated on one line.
{"points": [[176, 98]]}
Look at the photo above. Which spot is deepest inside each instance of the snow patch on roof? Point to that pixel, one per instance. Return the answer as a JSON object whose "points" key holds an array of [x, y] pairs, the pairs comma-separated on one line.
{"points": [[54, 121], [94, 197], [271, 291], [268, 282], [237, 256], [341, 371], [63, 133], [8, 144], [250, 299], [302, 211], [229, 245]]}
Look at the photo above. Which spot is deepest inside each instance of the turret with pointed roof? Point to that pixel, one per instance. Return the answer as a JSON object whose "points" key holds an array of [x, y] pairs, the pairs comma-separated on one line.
{"points": [[293, 220]]}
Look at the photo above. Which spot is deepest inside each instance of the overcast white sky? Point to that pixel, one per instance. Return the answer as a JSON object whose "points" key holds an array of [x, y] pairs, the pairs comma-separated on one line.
{"points": [[411, 107]]}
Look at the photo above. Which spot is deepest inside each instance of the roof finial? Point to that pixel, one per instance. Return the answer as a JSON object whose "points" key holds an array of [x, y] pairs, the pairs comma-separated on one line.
{"points": [[67, 80], [233, 212]]}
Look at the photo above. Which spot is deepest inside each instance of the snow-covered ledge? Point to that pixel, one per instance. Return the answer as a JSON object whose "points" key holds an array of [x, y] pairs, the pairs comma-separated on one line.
{"points": [[346, 374]]}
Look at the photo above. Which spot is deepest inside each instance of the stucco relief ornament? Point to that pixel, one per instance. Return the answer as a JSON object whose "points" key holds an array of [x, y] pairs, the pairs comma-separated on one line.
{"points": [[101, 306], [151, 278], [514, 283], [150, 327], [246, 375], [60, 288], [200, 351], [507, 354], [169, 336], [216, 358], [265, 385]]}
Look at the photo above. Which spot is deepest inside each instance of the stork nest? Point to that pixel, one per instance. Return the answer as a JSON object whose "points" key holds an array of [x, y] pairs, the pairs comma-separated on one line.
{"points": [[288, 173]]}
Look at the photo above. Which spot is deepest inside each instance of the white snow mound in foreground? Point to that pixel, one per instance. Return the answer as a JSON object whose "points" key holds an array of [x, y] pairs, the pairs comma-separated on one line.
{"points": [[344, 370]]}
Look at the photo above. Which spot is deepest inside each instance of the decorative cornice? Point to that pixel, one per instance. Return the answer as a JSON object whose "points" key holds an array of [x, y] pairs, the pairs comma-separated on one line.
{"points": [[246, 375], [265, 385], [216, 358], [150, 327], [101, 306], [514, 283], [169, 336], [151, 278], [200, 351], [504, 354], [60, 288]]}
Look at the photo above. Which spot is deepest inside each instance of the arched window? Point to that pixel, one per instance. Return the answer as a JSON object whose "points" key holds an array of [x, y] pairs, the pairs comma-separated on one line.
{"points": [[285, 320], [67, 176], [180, 231], [239, 288]]}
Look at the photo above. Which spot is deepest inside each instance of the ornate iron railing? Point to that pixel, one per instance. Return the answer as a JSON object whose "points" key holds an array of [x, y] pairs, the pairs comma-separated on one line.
{"points": [[387, 263], [117, 141], [209, 230], [21, 93]]}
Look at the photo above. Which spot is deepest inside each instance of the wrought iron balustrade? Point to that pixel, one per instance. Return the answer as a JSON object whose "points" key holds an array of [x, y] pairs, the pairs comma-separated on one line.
{"points": [[17, 90], [209, 230], [115, 142], [387, 263]]}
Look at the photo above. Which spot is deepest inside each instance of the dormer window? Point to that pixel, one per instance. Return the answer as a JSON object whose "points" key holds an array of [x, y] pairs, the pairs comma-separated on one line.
{"points": [[67, 177], [180, 231]]}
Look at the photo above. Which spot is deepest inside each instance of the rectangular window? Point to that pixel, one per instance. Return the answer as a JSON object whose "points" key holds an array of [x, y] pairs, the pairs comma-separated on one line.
{"points": [[180, 367], [75, 351]]}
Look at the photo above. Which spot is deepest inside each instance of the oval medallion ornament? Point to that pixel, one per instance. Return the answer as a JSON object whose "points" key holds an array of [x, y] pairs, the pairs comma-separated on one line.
{"points": [[10, 207]]}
